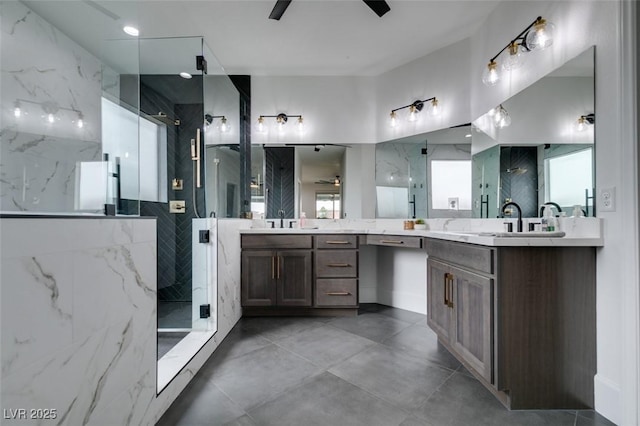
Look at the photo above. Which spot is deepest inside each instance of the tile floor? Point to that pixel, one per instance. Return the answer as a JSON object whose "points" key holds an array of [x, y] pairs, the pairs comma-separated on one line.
{"points": [[383, 367]]}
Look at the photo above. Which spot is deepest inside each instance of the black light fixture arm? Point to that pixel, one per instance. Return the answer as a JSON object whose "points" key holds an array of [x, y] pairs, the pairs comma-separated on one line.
{"points": [[520, 37], [281, 116], [416, 104]]}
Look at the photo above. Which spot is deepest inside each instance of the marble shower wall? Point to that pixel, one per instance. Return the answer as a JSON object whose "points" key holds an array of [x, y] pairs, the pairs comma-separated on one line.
{"points": [[79, 318], [41, 69]]}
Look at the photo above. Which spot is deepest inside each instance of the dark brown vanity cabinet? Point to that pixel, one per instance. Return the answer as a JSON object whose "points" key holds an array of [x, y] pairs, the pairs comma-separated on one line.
{"points": [[274, 276], [521, 319], [336, 269], [460, 302]]}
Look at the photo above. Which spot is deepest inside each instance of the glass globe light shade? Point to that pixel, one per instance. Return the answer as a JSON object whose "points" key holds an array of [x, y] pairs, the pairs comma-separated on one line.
{"points": [[413, 113], [515, 58], [490, 76], [434, 108], [581, 124], [541, 35], [393, 119]]}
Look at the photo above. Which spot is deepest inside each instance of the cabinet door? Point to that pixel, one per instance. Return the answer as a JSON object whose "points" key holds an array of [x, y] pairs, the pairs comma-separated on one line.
{"points": [[258, 278], [293, 274], [472, 336], [438, 311]]}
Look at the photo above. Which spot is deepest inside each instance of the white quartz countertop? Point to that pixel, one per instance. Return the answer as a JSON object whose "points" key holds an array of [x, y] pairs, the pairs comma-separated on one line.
{"points": [[485, 238]]}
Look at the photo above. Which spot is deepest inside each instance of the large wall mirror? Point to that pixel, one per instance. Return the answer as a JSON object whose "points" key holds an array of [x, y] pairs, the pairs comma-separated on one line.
{"points": [[538, 146], [544, 155]]}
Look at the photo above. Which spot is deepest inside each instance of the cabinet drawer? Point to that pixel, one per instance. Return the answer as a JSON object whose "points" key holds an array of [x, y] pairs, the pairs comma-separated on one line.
{"points": [[336, 292], [395, 241], [337, 263], [336, 241], [462, 254], [264, 241]]}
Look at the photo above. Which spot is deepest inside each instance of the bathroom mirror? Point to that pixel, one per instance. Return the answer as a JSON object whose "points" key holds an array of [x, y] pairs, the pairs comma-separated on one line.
{"points": [[297, 178], [546, 153], [427, 175]]}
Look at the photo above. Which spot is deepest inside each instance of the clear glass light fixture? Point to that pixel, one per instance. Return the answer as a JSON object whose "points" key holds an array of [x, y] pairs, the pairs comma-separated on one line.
{"points": [[280, 122], [224, 126], [434, 108], [501, 118], [541, 35], [413, 113], [300, 124], [51, 118], [490, 76], [17, 111], [80, 122], [584, 122], [515, 58], [393, 119], [261, 124]]}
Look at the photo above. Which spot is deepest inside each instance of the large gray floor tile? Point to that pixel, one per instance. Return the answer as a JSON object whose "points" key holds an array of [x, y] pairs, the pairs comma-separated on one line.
{"points": [[275, 328], [325, 345], [463, 401], [401, 314], [201, 403], [399, 378], [423, 343], [242, 421], [370, 325], [260, 375], [591, 418], [327, 401], [239, 342]]}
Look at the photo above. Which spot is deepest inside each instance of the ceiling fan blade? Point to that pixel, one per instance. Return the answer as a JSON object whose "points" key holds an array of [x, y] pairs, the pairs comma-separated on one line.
{"points": [[278, 9], [380, 7]]}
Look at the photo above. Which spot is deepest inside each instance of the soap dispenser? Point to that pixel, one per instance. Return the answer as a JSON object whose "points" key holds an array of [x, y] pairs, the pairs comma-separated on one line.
{"points": [[549, 221]]}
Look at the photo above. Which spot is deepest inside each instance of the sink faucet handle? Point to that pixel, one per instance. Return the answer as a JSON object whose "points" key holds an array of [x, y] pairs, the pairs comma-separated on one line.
{"points": [[273, 223], [291, 222]]}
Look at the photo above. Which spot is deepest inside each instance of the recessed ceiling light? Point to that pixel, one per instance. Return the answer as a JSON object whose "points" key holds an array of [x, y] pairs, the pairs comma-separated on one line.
{"points": [[132, 31], [185, 75]]}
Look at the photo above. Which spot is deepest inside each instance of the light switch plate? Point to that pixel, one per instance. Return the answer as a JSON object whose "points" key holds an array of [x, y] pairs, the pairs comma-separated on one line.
{"points": [[607, 199]]}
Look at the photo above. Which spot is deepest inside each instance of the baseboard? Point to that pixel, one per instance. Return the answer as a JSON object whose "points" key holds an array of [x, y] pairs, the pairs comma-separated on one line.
{"points": [[607, 398]]}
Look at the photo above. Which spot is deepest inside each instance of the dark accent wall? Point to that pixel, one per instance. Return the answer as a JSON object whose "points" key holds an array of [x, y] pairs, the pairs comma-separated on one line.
{"points": [[280, 181], [159, 94], [519, 178], [243, 84]]}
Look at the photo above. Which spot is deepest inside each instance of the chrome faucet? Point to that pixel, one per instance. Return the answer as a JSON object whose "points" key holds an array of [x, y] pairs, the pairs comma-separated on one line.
{"points": [[281, 214], [549, 203], [511, 203]]}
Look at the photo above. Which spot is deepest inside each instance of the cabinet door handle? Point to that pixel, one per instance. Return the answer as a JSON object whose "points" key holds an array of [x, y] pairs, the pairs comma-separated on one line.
{"points": [[337, 242], [278, 268], [450, 291], [392, 241], [445, 283], [338, 293], [338, 265]]}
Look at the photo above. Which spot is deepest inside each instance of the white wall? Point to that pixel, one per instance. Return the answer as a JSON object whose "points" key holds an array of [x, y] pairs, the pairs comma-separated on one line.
{"points": [[337, 110], [443, 74]]}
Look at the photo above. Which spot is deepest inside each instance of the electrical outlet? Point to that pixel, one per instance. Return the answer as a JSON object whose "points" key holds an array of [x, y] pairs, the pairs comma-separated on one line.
{"points": [[607, 199]]}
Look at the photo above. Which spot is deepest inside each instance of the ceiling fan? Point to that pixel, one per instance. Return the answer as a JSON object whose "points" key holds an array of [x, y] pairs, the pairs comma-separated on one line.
{"points": [[380, 7], [334, 182]]}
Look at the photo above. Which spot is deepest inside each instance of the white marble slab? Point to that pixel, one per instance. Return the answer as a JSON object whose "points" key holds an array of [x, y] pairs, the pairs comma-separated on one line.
{"points": [[577, 231]]}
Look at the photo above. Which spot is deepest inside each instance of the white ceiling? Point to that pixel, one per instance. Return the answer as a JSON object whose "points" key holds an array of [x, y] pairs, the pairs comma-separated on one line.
{"points": [[328, 37]]}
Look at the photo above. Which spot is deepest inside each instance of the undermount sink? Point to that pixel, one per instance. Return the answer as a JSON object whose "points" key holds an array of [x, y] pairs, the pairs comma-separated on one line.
{"points": [[530, 234]]}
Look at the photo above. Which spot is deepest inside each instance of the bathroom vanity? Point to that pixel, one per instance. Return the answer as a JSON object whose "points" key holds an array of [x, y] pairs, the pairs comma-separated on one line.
{"points": [[518, 312]]}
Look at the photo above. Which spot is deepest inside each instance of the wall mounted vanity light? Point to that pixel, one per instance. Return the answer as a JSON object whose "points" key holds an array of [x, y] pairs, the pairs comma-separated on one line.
{"points": [[433, 109], [281, 120], [584, 122], [500, 117], [51, 112], [223, 126], [537, 36]]}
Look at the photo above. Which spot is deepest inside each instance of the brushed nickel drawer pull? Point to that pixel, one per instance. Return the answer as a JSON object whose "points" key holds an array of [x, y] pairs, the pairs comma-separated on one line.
{"points": [[338, 265], [338, 293], [392, 241], [337, 242]]}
